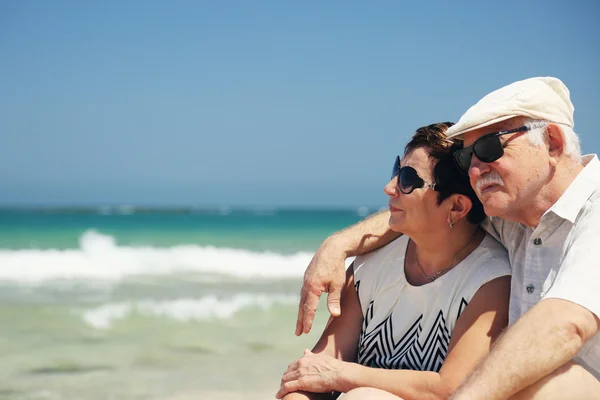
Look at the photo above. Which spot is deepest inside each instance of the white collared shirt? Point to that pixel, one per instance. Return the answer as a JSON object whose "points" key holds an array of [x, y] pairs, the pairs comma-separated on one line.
{"points": [[560, 258]]}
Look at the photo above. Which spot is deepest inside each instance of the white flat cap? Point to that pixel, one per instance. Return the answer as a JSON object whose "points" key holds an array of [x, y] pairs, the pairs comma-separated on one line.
{"points": [[543, 98]]}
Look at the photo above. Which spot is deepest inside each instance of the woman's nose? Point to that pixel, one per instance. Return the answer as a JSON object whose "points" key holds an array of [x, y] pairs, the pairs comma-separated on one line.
{"points": [[391, 189]]}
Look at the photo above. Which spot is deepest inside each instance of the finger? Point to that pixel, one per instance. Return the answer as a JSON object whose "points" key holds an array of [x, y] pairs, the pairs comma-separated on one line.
{"points": [[300, 320], [290, 376], [333, 298], [293, 366], [292, 386], [310, 308]]}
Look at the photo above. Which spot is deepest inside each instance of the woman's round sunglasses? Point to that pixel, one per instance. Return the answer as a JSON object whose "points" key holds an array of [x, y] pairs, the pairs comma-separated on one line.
{"points": [[408, 178], [487, 148]]}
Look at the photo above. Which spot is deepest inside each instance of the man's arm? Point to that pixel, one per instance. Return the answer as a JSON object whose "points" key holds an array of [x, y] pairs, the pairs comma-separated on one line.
{"points": [[365, 236], [553, 331], [550, 334], [325, 273], [339, 338]]}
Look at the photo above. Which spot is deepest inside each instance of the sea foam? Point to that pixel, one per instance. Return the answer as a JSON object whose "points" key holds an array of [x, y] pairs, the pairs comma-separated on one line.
{"points": [[100, 258], [185, 309]]}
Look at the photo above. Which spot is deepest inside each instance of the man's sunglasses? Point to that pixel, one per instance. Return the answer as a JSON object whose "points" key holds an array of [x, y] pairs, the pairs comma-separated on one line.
{"points": [[487, 148], [408, 179]]}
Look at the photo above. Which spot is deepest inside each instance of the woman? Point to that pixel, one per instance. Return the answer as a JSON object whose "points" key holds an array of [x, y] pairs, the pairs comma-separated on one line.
{"points": [[420, 312]]}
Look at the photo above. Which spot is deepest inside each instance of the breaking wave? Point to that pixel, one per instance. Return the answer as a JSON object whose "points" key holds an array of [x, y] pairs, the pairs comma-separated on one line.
{"points": [[100, 258], [185, 309]]}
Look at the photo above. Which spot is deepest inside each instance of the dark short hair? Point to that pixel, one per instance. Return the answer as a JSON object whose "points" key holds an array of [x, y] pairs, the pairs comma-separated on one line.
{"points": [[449, 178]]}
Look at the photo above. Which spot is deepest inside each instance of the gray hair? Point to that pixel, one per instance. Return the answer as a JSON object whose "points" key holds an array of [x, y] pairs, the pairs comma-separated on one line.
{"points": [[537, 138]]}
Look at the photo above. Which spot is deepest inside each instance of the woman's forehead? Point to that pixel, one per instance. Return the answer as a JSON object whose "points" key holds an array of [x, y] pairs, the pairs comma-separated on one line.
{"points": [[418, 159]]}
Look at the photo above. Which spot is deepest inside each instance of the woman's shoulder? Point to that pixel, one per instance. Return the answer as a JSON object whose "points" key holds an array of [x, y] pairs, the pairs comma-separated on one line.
{"points": [[383, 259], [492, 249], [486, 263], [490, 259]]}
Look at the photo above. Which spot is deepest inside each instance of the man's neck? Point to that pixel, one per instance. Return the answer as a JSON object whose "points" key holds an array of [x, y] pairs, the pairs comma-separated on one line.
{"points": [[532, 213]]}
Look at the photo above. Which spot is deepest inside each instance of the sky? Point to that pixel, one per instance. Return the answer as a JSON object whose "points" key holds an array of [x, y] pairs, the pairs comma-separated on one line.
{"points": [[259, 103]]}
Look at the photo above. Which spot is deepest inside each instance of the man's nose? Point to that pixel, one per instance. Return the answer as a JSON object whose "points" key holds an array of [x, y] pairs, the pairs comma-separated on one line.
{"points": [[477, 168]]}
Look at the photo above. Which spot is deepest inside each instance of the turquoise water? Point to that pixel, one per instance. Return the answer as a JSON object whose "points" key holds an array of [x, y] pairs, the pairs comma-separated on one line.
{"points": [[165, 304], [263, 229]]}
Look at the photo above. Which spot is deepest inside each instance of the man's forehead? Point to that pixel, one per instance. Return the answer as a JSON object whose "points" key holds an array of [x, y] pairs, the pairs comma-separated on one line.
{"points": [[505, 125]]}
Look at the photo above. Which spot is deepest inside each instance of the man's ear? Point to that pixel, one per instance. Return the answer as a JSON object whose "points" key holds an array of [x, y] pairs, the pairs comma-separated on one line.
{"points": [[556, 143]]}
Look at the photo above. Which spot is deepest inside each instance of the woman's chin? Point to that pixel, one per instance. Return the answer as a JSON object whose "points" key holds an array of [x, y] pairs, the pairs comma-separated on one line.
{"points": [[395, 225]]}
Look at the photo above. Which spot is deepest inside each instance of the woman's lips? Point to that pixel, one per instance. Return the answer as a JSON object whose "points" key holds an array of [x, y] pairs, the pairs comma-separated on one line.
{"points": [[394, 209]]}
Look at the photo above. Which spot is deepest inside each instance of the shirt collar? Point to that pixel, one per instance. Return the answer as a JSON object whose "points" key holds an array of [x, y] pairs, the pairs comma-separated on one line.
{"points": [[577, 193]]}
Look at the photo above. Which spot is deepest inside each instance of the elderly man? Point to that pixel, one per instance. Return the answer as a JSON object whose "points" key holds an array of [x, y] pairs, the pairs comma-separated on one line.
{"points": [[523, 159]]}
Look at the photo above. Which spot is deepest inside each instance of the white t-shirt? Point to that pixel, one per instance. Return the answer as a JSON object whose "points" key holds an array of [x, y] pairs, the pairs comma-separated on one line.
{"points": [[409, 327], [560, 258]]}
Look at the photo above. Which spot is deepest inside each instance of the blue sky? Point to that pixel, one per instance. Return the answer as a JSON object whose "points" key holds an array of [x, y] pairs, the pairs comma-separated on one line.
{"points": [[259, 103]]}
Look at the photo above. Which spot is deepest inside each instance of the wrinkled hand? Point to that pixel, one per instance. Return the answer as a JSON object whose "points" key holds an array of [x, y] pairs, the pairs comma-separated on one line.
{"points": [[317, 373], [325, 273]]}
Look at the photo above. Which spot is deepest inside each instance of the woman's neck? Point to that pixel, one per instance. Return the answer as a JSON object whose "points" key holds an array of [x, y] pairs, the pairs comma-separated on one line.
{"points": [[434, 252]]}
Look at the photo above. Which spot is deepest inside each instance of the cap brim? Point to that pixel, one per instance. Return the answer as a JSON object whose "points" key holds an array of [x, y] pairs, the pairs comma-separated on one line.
{"points": [[459, 134]]}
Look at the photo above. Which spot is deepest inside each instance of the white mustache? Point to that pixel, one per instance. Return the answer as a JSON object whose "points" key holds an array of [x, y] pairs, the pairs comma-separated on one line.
{"points": [[491, 178]]}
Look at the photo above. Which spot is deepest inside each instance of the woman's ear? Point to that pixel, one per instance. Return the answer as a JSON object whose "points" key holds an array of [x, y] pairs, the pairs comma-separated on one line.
{"points": [[460, 207]]}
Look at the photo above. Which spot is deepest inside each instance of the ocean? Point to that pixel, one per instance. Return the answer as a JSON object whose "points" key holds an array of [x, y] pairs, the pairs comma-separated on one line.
{"points": [[130, 303]]}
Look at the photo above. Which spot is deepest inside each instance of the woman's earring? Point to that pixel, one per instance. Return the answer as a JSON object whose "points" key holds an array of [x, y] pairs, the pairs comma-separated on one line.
{"points": [[451, 224]]}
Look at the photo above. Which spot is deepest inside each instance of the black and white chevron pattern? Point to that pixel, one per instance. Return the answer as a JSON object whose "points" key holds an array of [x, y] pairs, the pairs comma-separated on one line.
{"points": [[377, 348]]}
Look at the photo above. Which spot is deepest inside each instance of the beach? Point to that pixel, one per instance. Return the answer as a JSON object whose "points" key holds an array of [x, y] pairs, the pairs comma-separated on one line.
{"points": [[115, 303]]}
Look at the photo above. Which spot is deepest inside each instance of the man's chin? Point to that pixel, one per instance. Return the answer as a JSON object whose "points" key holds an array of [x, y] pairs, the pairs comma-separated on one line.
{"points": [[493, 207]]}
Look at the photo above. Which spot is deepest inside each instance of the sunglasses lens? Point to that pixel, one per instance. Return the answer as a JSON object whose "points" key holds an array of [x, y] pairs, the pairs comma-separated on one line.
{"points": [[395, 168], [406, 179], [463, 158], [488, 149]]}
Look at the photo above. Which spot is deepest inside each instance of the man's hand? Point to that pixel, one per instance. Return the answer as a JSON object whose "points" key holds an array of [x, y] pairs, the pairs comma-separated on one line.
{"points": [[315, 373], [325, 273]]}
